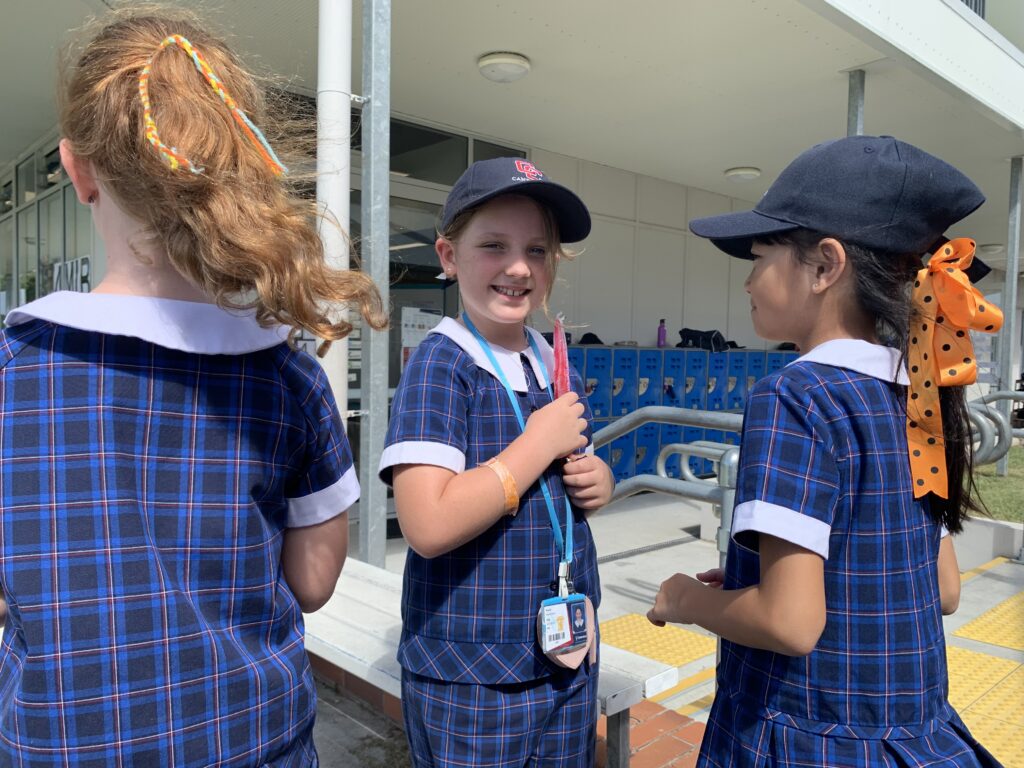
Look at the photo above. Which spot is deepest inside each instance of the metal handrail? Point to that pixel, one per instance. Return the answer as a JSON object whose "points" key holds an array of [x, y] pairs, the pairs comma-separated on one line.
{"points": [[992, 451], [687, 417]]}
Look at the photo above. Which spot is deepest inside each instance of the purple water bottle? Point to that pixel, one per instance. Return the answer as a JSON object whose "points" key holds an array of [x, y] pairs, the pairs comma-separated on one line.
{"points": [[662, 333]]}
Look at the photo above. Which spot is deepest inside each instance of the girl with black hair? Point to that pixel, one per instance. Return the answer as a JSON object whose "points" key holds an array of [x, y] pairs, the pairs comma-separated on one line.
{"points": [[855, 467]]}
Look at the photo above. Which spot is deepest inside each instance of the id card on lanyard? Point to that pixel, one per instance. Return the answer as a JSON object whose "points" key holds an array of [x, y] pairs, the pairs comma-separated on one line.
{"points": [[564, 622]]}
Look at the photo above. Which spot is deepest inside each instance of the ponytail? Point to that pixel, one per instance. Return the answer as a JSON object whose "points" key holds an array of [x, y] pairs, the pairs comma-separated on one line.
{"points": [[232, 227]]}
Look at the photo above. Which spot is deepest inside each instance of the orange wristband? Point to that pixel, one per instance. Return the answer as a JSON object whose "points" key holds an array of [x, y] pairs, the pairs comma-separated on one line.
{"points": [[508, 483]]}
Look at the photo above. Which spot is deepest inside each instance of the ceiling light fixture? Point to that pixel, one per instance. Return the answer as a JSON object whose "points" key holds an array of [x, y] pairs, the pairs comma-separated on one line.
{"points": [[991, 248], [503, 66], [742, 173]]}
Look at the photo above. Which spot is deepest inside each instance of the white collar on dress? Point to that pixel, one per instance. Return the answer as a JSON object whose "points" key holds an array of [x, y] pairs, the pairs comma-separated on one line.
{"points": [[872, 360], [188, 326], [507, 358]]}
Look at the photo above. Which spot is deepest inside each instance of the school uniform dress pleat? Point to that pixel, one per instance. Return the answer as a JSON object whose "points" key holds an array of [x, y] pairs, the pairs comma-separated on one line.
{"points": [[824, 465], [154, 453], [483, 690]]}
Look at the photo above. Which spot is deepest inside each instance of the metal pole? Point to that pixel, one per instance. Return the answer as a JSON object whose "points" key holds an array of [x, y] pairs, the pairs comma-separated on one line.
{"points": [[375, 240], [333, 109], [1008, 334], [855, 104]]}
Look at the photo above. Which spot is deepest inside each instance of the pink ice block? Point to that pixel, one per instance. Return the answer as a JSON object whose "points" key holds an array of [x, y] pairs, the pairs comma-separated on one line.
{"points": [[561, 360]]}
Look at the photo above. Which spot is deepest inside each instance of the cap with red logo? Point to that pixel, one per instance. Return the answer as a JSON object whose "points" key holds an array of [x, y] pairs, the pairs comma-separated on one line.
{"points": [[486, 179]]}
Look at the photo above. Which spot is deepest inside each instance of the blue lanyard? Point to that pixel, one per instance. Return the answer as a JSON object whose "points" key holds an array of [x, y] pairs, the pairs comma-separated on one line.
{"points": [[564, 546]]}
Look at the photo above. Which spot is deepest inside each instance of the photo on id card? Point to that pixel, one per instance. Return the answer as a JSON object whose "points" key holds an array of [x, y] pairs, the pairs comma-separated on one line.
{"points": [[562, 623]]}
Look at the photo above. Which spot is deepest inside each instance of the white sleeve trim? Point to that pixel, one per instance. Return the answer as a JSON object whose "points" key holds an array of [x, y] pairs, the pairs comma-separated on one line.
{"points": [[327, 503], [423, 452], [783, 523]]}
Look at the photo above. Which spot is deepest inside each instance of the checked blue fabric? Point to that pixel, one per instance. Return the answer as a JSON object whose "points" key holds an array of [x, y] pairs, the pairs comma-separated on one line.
{"points": [[469, 616], [549, 723], [144, 494], [824, 464]]}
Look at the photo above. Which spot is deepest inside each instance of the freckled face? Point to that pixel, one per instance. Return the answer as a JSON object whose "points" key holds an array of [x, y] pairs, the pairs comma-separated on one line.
{"points": [[501, 262]]}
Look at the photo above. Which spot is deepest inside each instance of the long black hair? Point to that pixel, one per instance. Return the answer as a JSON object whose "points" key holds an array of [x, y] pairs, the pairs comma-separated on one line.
{"points": [[882, 288]]}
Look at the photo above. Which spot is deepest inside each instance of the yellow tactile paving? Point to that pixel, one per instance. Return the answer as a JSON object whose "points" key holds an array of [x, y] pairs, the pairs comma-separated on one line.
{"points": [[1005, 701], [697, 706], [972, 675], [968, 575], [690, 682], [1004, 740], [1002, 625], [669, 645]]}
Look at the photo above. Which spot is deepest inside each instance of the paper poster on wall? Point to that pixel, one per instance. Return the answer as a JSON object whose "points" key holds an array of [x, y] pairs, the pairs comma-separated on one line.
{"points": [[416, 323]]}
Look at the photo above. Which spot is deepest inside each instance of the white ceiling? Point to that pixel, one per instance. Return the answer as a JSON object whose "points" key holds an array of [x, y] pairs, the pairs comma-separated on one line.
{"points": [[675, 89]]}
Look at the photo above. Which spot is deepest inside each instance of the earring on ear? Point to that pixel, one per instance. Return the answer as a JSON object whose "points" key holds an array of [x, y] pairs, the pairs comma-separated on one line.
{"points": [[92, 198]]}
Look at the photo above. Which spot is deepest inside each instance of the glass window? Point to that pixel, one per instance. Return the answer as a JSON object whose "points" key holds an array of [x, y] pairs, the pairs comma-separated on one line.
{"points": [[51, 239], [27, 181], [77, 226], [414, 267], [51, 173], [485, 150], [427, 154], [6, 265], [28, 254], [7, 195]]}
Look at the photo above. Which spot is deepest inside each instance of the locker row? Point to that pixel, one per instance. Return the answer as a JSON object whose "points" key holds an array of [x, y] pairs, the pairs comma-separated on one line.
{"points": [[621, 379]]}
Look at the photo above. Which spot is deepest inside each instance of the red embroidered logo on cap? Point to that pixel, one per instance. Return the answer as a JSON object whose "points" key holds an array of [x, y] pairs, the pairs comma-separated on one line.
{"points": [[529, 170]]}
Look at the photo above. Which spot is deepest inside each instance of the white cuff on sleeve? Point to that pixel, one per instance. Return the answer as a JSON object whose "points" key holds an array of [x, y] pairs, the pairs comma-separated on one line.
{"points": [[322, 505], [783, 523], [423, 452]]}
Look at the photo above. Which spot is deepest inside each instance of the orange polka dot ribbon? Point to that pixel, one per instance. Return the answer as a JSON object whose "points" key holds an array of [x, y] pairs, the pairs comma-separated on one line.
{"points": [[941, 354], [171, 155]]}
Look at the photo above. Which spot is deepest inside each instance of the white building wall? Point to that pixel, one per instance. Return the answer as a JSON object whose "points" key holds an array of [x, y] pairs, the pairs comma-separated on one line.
{"points": [[641, 263]]}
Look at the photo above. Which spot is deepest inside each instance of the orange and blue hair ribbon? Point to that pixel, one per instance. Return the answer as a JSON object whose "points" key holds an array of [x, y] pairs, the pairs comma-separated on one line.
{"points": [[171, 155]]}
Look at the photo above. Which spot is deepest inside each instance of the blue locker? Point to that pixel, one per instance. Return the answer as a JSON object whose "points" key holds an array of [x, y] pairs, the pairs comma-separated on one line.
{"points": [[670, 433], [598, 379], [674, 382], [696, 398], [755, 367], [648, 445], [791, 356], [649, 381], [605, 451], [775, 361], [624, 381], [718, 381], [736, 375], [623, 456], [673, 378], [577, 359]]}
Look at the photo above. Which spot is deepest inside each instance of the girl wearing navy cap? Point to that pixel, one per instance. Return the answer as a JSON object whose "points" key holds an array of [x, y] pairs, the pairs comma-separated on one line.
{"points": [[495, 669], [852, 472]]}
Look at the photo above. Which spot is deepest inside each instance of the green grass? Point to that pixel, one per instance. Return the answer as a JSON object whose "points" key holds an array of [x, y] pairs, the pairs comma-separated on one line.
{"points": [[1003, 496]]}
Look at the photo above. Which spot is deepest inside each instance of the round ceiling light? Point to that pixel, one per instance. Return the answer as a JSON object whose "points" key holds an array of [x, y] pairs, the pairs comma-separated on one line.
{"points": [[503, 66], [742, 173]]}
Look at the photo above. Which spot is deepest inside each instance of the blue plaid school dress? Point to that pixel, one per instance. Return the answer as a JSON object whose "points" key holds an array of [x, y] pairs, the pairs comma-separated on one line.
{"points": [[824, 465], [154, 452], [469, 616]]}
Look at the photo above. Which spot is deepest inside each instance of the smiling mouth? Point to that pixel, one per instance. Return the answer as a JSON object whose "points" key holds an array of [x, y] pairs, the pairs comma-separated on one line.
{"points": [[514, 293]]}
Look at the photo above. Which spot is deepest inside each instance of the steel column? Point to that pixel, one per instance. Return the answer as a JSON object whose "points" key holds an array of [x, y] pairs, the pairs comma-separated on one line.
{"points": [[376, 136], [855, 104], [1008, 336]]}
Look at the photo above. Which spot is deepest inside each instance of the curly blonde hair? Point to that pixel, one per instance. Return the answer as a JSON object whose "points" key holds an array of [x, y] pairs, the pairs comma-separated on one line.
{"points": [[237, 231]]}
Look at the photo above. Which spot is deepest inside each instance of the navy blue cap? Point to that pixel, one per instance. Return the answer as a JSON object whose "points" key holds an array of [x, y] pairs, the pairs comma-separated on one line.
{"points": [[486, 179], [873, 191]]}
